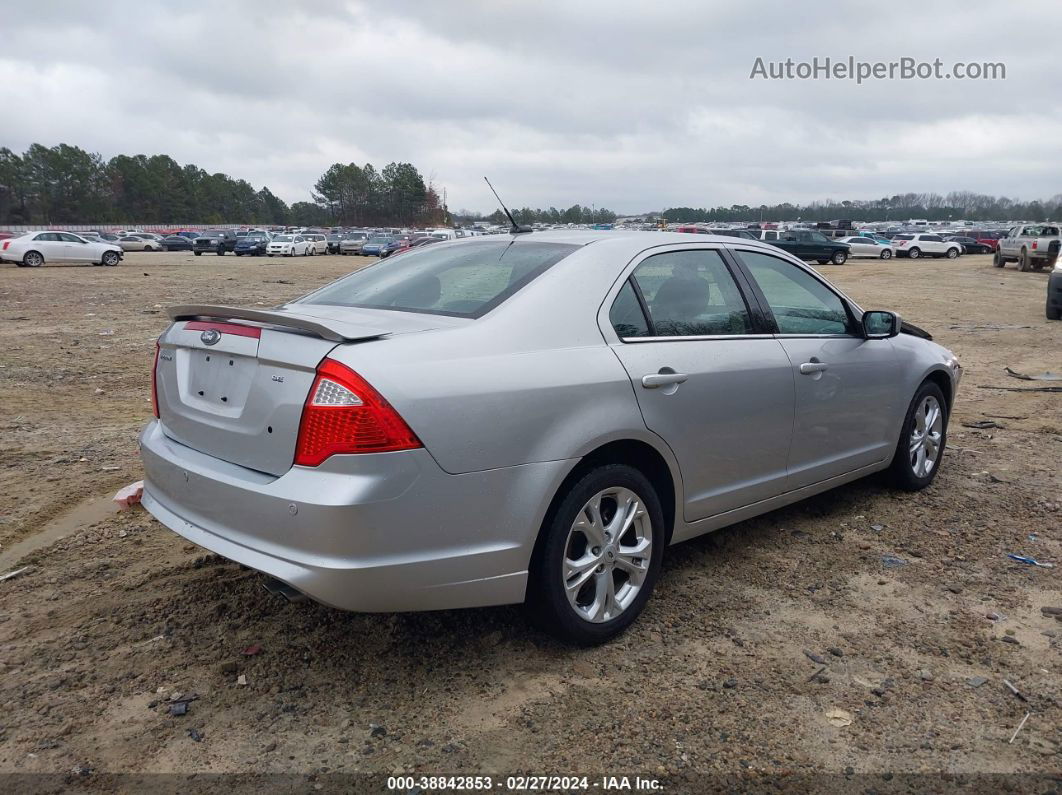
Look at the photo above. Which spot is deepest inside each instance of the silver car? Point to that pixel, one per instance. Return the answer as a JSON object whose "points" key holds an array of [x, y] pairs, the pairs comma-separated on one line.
{"points": [[531, 418]]}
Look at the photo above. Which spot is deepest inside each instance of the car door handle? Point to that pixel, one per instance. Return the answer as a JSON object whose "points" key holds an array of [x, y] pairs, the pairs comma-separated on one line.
{"points": [[663, 379], [809, 368]]}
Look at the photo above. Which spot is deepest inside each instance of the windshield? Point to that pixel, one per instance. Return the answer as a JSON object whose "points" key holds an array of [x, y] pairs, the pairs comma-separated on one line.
{"points": [[380, 240], [465, 280], [282, 239], [255, 238]]}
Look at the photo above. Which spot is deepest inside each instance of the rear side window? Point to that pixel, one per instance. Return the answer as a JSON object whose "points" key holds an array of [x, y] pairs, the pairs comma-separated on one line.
{"points": [[466, 280], [626, 314], [691, 294]]}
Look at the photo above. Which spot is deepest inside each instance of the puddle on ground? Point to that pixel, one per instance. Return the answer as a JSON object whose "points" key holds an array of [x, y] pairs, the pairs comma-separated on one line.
{"points": [[87, 512]]}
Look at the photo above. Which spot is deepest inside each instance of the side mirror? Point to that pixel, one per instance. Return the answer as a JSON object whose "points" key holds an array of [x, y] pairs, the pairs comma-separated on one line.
{"points": [[880, 324]]}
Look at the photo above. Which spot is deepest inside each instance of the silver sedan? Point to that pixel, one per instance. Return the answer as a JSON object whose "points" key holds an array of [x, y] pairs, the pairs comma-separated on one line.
{"points": [[533, 418]]}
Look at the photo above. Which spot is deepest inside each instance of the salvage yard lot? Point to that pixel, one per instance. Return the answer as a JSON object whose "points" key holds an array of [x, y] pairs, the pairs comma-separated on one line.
{"points": [[116, 614]]}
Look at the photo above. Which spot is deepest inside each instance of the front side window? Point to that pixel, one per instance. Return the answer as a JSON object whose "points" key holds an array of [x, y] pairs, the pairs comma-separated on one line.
{"points": [[801, 303], [691, 294], [465, 280]]}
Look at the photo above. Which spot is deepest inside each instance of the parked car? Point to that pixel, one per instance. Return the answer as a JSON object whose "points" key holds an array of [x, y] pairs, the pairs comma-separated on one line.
{"points": [[288, 246], [1054, 292], [33, 249], [358, 445], [807, 244], [744, 234], [374, 246], [396, 246], [970, 245], [189, 234], [1032, 246], [216, 241], [924, 244], [139, 243], [861, 246], [351, 242], [333, 240], [317, 243], [252, 244], [177, 243]]}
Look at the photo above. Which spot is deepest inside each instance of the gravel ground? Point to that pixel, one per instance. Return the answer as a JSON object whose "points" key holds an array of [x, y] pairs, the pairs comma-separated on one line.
{"points": [[778, 649]]}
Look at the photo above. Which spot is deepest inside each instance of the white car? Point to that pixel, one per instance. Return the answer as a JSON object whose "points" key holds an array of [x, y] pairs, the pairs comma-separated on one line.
{"points": [[139, 243], [34, 249], [924, 244], [317, 244], [288, 246], [868, 247]]}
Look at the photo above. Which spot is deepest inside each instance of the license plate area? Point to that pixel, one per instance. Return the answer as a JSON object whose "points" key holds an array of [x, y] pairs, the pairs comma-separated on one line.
{"points": [[218, 382]]}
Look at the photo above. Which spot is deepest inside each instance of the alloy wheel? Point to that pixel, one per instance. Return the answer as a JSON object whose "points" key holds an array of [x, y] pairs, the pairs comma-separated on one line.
{"points": [[926, 435], [607, 554]]}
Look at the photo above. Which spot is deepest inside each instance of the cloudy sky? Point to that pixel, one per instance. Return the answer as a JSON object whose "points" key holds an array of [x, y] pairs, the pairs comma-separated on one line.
{"points": [[629, 105]]}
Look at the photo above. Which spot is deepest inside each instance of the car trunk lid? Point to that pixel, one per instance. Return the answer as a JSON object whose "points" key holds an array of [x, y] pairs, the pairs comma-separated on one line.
{"points": [[232, 382]]}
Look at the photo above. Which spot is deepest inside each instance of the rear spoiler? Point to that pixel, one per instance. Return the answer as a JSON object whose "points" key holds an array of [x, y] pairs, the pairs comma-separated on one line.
{"points": [[325, 328]]}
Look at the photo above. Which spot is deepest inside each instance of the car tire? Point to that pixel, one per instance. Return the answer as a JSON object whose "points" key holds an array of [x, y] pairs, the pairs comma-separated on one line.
{"points": [[998, 261], [839, 257], [1052, 313], [221, 252], [952, 253], [32, 259], [886, 254], [909, 468], [109, 258], [914, 253], [198, 253], [1023, 262], [561, 609]]}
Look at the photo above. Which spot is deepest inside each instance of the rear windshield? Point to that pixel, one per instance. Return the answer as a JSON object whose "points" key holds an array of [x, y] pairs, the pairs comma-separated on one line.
{"points": [[464, 280], [903, 237]]}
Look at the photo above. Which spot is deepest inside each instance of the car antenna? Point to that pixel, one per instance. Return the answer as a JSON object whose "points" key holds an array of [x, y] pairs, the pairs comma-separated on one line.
{"points": [[515, 229]]}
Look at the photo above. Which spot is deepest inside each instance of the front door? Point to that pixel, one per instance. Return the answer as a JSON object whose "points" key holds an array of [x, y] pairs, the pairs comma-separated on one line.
{"points": [[847, 387], [708, 381]]}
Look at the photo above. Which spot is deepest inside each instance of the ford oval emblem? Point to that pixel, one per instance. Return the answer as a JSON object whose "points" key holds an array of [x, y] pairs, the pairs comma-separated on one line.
{"points": [[210, 336]]}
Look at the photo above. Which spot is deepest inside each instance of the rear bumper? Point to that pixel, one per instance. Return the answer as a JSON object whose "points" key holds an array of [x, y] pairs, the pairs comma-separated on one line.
{"points": [[373, 533]]}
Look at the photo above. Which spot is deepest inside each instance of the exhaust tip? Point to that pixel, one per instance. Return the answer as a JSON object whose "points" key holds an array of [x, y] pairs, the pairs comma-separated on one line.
{"points": [[278, 588]]}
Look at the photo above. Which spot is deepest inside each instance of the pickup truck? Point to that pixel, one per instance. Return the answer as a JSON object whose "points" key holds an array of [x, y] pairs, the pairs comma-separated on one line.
{"points": [[1032, 246], [808, 244], [216, 240]]}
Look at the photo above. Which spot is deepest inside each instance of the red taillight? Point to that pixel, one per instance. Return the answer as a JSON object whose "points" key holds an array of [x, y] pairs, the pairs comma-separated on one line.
{"points": [[344, 414], [154, 382], [6, 244], [1035, 243]]}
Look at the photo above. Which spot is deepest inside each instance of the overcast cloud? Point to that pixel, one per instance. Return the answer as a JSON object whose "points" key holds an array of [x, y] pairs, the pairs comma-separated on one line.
{"points": [[628, 105]]}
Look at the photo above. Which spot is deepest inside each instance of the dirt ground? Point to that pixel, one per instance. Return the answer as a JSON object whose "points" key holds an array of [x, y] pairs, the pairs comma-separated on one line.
{"points": [[716, 682]]}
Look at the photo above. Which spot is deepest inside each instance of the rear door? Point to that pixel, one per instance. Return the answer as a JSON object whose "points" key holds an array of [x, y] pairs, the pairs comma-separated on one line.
{"points": [[847, 387], [51, 246], [708, 379]]}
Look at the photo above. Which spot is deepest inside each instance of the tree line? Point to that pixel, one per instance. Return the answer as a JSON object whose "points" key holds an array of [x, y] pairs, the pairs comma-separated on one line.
{"points": [[576, 214], [956, 205], [67, 185]]}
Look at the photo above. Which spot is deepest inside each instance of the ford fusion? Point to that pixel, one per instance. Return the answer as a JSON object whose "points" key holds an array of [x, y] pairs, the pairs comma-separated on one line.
{"points": [[532, 418]]}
